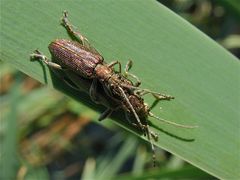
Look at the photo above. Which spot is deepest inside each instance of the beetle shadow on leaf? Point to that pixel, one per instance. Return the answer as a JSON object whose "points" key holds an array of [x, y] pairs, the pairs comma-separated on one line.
{"points": [[44, 70], [171, 134], [153, 105]]}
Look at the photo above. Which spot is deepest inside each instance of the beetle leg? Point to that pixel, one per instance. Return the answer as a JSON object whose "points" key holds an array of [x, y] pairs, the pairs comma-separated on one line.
{"points": [[54, 67], [79, 37], [127, 73], [150, 135], [141, 92], [152, 146], [132, 123], [70, 83], [128, 119], [108, 92], [105, 114], [76, 35], [158, 96], [110, 65], [38, 55], [132, 109], [153, 135], [93, 91]]}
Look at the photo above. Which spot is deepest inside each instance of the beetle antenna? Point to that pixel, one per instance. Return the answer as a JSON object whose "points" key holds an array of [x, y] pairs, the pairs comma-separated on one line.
{"points": [[170, 122], [131, 107], [149, 136]]}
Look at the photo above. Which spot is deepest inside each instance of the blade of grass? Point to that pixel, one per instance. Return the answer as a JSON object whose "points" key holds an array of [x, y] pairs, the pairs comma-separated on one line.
{"points": [[232, 6], [109, 167], [169, 55], [9, 159]]}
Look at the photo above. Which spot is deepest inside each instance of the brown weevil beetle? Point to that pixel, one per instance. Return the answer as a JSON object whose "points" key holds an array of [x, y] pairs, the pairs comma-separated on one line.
{"points": [[80, 62]]}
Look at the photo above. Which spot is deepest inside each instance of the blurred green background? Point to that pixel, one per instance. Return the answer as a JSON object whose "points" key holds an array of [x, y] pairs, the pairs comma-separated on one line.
{"points": [[53, 138]]}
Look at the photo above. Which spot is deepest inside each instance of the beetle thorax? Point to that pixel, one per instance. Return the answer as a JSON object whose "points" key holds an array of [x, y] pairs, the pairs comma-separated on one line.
{"points": [[103, 72]]}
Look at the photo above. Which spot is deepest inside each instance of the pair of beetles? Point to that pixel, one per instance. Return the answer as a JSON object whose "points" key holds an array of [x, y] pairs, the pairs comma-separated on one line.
{"points": [[83, 68]]}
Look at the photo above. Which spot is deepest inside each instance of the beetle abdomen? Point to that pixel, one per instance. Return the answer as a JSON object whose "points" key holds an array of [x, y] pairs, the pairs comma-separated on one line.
{"points": [[74, 56]]}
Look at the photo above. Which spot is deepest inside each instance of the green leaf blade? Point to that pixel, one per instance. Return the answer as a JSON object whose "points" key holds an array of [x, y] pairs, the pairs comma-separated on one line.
{"points": [[169, 55]]}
